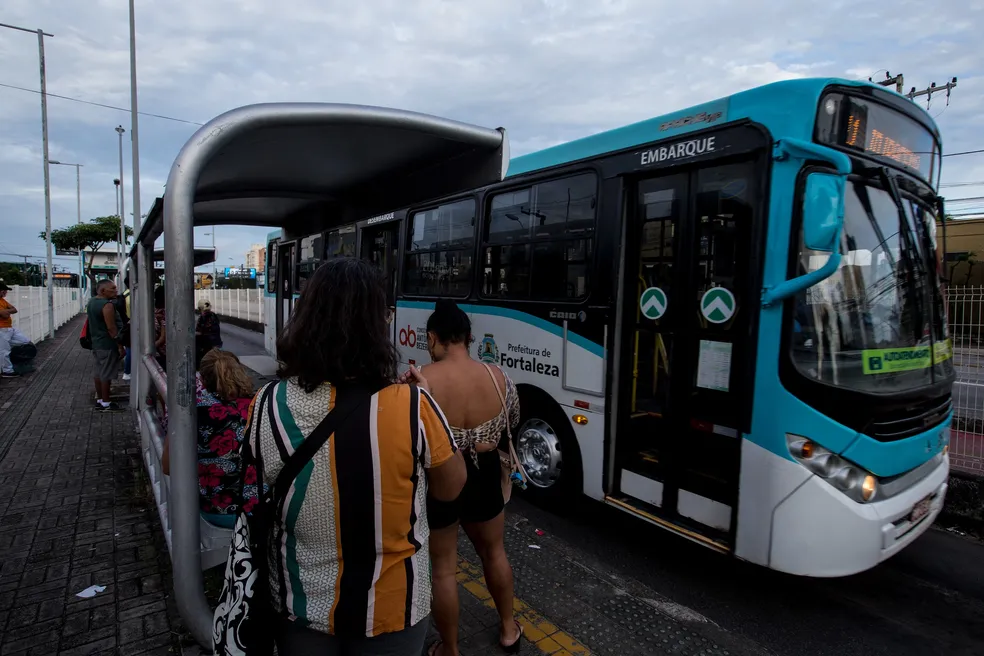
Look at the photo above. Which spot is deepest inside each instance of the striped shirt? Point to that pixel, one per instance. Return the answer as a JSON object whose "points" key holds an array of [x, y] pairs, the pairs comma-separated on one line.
{"points": [[349, 554]]}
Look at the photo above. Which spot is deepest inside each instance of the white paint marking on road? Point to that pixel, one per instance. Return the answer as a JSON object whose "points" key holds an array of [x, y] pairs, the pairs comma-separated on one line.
{"points": [[677, 611]]}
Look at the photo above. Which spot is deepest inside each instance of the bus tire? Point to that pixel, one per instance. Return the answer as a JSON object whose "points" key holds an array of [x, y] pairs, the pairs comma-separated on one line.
{"points": [[547, 447]]}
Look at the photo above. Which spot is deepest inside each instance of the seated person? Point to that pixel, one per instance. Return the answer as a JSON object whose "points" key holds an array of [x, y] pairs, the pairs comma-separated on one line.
{"points": [[224, 392]]}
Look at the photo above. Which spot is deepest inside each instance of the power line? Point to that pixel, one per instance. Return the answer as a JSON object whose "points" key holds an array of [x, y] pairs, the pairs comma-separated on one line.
{"points": [[961, 184], [966, 152], [95, 104]]}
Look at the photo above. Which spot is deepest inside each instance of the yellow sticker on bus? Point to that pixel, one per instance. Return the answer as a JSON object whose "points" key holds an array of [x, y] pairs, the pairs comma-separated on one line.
{"points": [[886, 361]]}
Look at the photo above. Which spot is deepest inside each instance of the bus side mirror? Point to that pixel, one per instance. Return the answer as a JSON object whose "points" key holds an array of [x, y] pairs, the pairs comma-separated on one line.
{"points": [[823, 211], [823, 219]]}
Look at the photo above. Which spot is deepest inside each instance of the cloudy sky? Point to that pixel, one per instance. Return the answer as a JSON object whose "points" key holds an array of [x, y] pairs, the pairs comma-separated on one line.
{"points": [[548, 70]]}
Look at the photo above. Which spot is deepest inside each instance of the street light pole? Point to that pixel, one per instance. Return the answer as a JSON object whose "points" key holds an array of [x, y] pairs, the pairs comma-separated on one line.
{"points": [[122, 245], [134, 131], [78, 209], [47, 180]]}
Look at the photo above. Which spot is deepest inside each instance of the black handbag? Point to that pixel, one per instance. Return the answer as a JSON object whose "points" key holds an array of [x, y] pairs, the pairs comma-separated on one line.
{"points": [[244, 619]]}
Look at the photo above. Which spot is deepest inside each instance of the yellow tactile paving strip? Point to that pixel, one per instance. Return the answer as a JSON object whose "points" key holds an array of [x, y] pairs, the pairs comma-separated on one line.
{"points": [[537, 629]]}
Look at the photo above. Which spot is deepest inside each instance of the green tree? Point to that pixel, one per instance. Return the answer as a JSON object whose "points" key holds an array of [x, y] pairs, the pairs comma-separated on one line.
{"points": [[89, 236], [12, 274]]}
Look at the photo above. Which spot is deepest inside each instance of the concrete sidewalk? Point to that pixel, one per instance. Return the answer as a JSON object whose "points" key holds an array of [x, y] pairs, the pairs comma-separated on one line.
{"points": [[73, 514]]}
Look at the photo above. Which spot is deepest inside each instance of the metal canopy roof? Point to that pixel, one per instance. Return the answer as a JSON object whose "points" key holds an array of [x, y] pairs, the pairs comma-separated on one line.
{"points": [[267, 162], [203, 256]]}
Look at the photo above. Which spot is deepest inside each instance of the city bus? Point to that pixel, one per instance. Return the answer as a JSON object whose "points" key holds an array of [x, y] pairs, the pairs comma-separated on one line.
{"points": [[727, 321]]}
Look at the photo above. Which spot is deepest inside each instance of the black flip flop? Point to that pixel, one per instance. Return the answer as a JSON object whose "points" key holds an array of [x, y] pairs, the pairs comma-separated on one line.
{"points": [[514, 647]]}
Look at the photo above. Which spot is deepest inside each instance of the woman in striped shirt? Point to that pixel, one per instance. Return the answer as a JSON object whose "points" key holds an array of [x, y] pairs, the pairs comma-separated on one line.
{"points": [[349, 563]]}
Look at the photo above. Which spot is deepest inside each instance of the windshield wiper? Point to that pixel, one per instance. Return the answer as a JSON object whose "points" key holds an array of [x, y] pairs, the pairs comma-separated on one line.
{"points": [[909, 251]]}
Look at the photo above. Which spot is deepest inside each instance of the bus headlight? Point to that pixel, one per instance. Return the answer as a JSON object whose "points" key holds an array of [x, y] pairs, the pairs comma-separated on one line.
{"points": [[843, 474]]}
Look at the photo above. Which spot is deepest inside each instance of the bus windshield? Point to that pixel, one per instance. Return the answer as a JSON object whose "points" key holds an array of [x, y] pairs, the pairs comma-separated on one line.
{"points": [[878, 324]]}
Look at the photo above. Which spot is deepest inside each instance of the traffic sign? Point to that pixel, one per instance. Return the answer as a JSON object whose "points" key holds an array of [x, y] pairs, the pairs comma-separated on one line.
{"points": [[718, 305], [653, 303]]}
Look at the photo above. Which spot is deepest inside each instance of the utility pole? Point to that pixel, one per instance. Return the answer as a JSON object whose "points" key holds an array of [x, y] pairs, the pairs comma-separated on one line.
{"points": [[122, 247], [931, 89], [47, 179], [898, 81], [78, 209], [889, 80]]}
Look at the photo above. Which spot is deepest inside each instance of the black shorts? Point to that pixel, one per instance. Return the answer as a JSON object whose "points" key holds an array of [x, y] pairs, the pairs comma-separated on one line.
{"points": [[481, 498]]}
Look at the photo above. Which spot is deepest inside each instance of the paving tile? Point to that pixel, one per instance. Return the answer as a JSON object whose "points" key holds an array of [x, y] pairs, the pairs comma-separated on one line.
{"points": [[68, 479]]}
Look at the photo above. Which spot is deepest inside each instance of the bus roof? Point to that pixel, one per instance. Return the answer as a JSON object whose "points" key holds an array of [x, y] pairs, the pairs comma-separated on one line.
{"points": [[780, 106]]}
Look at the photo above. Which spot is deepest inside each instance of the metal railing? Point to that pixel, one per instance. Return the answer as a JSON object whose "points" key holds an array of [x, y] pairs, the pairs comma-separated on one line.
{"points": [[32, 308], [245, 304], [965, 307]]}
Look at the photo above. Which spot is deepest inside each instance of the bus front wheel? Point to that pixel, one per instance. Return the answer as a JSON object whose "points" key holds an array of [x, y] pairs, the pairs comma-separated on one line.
{"points": [[548, 452]]}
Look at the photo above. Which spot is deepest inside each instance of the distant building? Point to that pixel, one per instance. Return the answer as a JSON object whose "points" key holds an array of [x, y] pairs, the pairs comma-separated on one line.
{"points": [[964, 250], [256, 257], [104, 261]]}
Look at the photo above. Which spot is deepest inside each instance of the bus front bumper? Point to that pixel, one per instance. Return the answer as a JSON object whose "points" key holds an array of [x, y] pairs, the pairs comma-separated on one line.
{"points": [[818, 531]]}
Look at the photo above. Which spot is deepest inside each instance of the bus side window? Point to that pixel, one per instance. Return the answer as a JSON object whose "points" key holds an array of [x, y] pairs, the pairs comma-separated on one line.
{"points": [[539, 241], [341, 243], [440, 250]]}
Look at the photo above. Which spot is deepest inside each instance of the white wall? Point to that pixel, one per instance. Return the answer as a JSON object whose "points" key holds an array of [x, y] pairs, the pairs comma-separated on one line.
{"points": [[237, 303], [32, 308]]}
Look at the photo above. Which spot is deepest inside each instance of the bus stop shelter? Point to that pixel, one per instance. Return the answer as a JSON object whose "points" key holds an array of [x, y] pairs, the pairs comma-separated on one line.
{"points": [[266, 165]]}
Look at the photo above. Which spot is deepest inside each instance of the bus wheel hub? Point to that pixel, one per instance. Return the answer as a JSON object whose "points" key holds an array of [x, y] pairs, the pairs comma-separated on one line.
{"points": [[538, 450]]}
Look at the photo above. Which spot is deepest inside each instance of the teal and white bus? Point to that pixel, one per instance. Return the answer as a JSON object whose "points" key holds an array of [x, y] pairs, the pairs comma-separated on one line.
{"points": [[727, 321]]}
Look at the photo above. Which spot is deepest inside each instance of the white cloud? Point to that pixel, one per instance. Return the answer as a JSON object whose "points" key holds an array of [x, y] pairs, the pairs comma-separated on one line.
{"points": [[548, 70]]}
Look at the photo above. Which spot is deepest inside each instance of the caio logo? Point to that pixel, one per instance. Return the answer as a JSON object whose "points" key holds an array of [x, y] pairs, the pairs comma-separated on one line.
{"points": [[408, 337]]}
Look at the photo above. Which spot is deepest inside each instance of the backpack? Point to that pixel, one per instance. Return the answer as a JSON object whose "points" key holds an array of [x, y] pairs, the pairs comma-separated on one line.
{"points": [[85, 339]]}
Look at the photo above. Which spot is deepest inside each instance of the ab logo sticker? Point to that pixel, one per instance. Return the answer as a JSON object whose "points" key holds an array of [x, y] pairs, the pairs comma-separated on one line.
{"points": [[718, 305], [653, 303]]}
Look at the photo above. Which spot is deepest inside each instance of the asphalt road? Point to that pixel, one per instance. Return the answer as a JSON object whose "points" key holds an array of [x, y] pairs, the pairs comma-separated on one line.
{"points": [[929, 599]]}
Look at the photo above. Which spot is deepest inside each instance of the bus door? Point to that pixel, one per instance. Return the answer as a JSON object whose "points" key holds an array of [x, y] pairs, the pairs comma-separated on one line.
{"points": [[380, 244], [685, 366], [286, 270]]}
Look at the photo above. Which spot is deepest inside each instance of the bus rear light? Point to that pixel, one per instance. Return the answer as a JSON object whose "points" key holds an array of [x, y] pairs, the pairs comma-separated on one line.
{"points": [[584, 405]]}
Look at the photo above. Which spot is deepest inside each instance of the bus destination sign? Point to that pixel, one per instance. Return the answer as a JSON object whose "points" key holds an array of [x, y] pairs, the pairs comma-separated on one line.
{"points": [[877, 131]]}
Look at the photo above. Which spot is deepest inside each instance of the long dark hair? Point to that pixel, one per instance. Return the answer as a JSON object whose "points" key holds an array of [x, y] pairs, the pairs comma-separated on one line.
{"points": [[338, 331], [449, 323]]}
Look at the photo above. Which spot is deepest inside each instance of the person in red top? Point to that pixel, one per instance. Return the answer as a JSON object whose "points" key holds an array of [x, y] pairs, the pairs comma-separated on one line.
{"points": [[9, 336]]}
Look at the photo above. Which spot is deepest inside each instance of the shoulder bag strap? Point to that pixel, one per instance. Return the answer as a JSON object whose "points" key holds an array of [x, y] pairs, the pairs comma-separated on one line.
{"points": [[346, 403], [513, 459], [502, 400], [253, 436]]}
